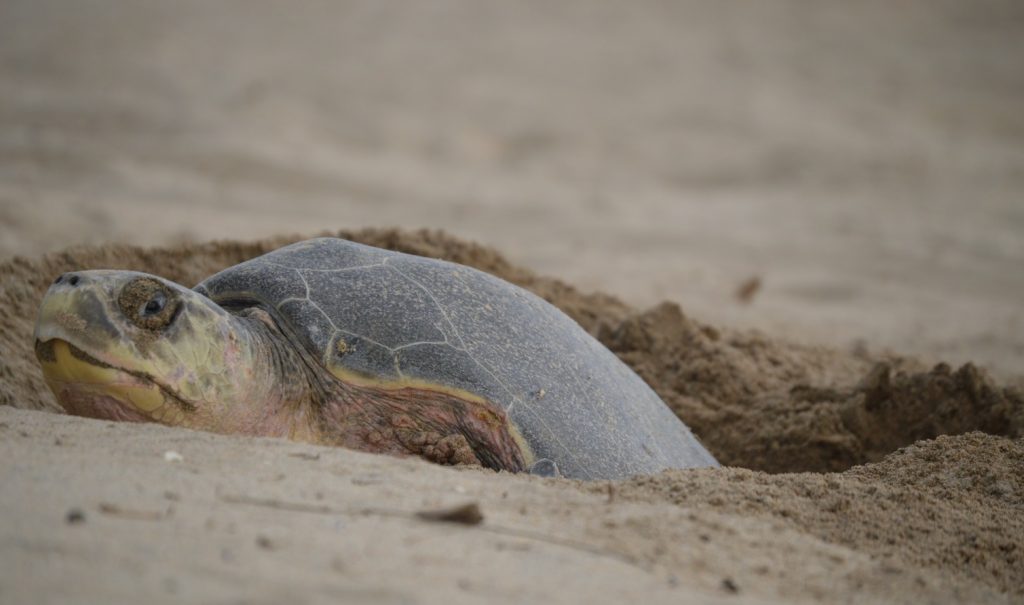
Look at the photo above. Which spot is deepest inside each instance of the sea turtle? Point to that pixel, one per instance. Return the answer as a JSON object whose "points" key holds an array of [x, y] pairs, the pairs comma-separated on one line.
{"points": [[334, 342]]}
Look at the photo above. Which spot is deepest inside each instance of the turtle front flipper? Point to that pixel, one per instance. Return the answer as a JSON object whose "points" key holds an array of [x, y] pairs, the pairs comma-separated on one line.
{"points": [[451, 449], [418, 419]]}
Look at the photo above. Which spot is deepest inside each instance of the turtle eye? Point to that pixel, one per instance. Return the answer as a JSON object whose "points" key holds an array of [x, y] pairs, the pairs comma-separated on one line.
{"points": [[154, 305], [148, 303]]}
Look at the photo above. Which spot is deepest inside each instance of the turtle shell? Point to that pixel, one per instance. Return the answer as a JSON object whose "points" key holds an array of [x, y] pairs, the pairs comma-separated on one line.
{"points": [[398, 317]]}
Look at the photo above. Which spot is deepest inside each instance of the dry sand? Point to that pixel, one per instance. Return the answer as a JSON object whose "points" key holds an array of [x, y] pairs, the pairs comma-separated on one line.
{"points": [[828, 194], [940, 520]]}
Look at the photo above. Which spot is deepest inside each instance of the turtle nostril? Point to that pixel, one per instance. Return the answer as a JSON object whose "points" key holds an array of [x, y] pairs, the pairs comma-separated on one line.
{"points": [[59, 279], [73, 280]]}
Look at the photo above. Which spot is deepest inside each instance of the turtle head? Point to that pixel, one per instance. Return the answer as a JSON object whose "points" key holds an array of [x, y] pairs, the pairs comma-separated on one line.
{"points": [[123, 345]]}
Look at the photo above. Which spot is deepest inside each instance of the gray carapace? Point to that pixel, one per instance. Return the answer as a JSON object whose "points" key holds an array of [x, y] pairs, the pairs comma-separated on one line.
{"points": [[371, 314]]}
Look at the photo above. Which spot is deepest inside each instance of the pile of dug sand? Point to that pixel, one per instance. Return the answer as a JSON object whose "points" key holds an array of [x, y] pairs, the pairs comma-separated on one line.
{"points": [[852, 477]]}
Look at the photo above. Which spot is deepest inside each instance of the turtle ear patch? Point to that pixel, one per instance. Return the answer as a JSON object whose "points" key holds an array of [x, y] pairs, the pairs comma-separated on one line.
{"points": [[148, 303]]}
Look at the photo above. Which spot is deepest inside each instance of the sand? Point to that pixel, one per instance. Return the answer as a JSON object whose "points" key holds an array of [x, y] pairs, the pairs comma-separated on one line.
{"points": [[112, 510], [799, 221]]}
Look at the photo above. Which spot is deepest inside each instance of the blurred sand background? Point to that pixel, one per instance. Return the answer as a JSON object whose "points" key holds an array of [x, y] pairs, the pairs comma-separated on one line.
{"points": [[864, 160]]}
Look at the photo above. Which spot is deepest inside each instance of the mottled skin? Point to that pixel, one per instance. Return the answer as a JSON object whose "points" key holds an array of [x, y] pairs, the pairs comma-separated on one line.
{"points": [[332, 342]]}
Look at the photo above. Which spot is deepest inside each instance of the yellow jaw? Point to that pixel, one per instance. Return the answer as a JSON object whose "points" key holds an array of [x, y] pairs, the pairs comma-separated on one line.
{"points": [[66, 372]]}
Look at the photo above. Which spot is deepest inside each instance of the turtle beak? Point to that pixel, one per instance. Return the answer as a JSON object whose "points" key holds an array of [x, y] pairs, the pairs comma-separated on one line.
{"points": [[73, 311]]}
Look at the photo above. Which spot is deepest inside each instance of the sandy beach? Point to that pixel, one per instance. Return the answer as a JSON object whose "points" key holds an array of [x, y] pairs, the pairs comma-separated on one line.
{"points": [[801, 224]]}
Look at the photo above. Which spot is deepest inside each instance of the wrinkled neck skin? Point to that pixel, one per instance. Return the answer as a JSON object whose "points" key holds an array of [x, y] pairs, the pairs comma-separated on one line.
{"points": [[298, 399], [281, 392]]}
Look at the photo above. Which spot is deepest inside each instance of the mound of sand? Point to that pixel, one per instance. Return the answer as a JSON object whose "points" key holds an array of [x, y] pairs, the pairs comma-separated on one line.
{"points": [[937, 520]]}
